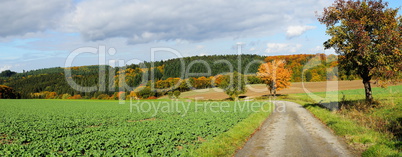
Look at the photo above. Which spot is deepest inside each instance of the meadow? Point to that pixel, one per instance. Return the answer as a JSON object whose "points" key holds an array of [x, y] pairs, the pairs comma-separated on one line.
{"points": [[142, 128]]}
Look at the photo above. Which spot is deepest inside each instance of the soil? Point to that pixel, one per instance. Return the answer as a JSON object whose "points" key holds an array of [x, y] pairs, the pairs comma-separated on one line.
{"points": [[293, 131]]}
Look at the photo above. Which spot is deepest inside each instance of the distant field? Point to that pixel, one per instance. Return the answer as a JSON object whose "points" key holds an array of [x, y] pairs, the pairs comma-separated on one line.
{"points": [[258, 90], [380, 94], [106, 128]]}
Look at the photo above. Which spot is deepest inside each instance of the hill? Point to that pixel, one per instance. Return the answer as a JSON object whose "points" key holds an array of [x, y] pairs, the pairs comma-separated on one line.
{"points": [[197, 70]]}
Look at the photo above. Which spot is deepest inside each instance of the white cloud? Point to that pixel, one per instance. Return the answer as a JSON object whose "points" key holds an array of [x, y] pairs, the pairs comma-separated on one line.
{"points": [[155, 20], [19, 17], [294, 31], [320, 49], [6, 67], [317, 49], [330, 51], [199, 46], [282, 47]]}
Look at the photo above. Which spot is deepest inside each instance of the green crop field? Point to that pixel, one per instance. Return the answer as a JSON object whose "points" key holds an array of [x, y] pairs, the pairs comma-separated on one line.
{"points": [[145, 128]]}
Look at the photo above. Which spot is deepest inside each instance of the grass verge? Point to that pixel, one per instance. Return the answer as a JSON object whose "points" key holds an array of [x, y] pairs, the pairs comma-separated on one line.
{"points": [[371, 131], [227, 143]]}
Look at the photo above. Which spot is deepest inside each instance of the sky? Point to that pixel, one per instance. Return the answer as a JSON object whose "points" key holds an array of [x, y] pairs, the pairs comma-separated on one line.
{"points": [[36, 34]]}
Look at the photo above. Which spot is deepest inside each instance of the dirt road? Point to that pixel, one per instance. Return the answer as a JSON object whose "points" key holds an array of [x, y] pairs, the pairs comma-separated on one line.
{"points": [[292, 131]]}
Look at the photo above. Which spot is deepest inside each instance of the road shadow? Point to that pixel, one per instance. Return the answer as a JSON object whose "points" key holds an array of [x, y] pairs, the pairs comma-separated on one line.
{"points": [[360, 105], [268, 96], [331, 106]]}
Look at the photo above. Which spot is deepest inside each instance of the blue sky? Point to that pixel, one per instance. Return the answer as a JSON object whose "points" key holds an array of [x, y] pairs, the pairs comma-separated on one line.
{"points": [[39, 34]]}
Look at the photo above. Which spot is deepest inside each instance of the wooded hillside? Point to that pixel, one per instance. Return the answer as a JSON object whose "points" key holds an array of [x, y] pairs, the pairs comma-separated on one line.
{"points": [[51, 82]]}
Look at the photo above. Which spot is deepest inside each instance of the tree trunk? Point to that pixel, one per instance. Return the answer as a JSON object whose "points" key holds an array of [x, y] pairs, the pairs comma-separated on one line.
{"points": [[235, 98], [274, 88], [270, 90], [367, 88]]}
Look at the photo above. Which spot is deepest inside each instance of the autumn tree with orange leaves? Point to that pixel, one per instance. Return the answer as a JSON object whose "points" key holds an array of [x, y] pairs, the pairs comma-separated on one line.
{"points": [[275, 75]]}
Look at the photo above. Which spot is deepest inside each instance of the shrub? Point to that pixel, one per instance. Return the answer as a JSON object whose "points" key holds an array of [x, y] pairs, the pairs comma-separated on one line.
{"points": [[170, 94], [152, 97], [103, 97], [176, 94], [75, 97], [146, 93], [7, 92], [65, 96]]}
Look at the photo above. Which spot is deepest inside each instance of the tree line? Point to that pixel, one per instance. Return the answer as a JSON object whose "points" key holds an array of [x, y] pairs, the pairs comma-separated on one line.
{"points": [[148, 81]]}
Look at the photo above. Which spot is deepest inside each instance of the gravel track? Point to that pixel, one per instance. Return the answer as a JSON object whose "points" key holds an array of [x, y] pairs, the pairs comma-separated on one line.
{"points": [[293, 131]]}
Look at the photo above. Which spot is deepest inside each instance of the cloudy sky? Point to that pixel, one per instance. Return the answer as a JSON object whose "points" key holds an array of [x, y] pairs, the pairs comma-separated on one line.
{"points": [[38, 34]]}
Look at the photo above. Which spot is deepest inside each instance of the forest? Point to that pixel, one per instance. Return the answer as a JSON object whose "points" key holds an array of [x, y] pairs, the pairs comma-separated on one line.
{"points": [[150, 80]]}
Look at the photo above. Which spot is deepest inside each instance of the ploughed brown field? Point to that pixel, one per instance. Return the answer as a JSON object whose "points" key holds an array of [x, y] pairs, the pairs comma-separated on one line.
{"points": [[258, 90]]}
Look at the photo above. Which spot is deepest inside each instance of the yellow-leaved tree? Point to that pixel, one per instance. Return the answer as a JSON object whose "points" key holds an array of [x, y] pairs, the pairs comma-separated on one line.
{"points": [[275, 75]]}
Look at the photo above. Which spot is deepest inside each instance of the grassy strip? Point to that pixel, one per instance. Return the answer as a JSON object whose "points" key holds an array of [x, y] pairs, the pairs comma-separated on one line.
{"points": [[227, 143], [363, 139]]}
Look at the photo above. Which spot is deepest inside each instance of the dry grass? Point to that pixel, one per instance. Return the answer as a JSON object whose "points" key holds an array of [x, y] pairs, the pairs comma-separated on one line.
{"points": [[4, 140], [150, 119], [360, 111]]}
